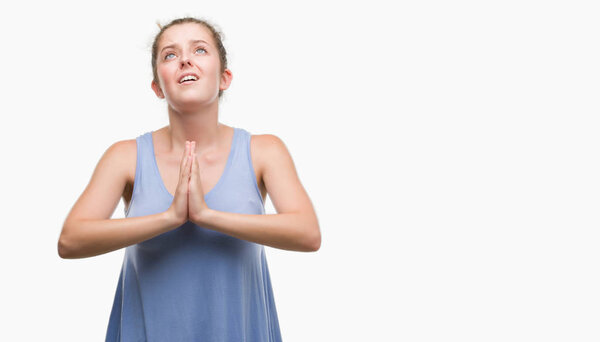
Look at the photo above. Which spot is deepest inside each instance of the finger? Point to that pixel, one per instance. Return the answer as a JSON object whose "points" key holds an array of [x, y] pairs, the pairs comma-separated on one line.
{"points": [[190, 175], [187, 165], [185, 154], [194, 165], [185, 162], [183, 174], [187, 174], [193, 154], [181, 190], [191, 178]]}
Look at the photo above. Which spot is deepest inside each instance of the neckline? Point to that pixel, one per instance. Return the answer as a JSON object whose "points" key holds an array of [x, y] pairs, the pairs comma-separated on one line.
{"points": [[227, 166]]}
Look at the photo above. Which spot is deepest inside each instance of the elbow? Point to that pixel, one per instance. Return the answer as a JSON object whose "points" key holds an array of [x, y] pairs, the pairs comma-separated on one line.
{"points": [[65, 246], [63, 250], [314, 242]]}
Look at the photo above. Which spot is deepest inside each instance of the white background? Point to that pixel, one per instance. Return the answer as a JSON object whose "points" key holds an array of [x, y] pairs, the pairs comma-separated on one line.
{"points": [[450, 149]]}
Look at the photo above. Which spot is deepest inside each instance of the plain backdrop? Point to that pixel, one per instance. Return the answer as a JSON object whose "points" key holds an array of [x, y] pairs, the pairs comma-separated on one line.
{"points": [[450, 149]]}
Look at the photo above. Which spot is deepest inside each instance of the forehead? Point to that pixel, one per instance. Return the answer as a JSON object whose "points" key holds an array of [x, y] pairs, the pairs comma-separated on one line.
{"points": [[183, 33]]}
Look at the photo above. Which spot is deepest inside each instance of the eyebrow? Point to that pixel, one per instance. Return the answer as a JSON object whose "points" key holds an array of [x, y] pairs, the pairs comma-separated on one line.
{"points": [[194, 41]]}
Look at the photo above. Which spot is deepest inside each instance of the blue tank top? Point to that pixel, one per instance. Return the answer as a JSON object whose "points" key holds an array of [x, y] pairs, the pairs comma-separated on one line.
{"points": [[194, 283]]}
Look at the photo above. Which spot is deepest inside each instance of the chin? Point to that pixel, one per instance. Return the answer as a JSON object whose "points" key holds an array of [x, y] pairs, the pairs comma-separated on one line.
{"points": [[190, 103]]}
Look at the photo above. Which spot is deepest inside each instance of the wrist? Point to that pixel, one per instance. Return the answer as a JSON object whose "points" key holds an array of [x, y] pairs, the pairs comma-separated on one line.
{"points": [[203, 218], [171, 220]]}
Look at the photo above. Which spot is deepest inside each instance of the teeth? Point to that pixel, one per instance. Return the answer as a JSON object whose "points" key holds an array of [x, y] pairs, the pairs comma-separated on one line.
{"points": [[188, 78]]}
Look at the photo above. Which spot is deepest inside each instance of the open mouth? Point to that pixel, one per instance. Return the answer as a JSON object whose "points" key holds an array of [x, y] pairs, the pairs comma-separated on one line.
{"points": [[188, 79]]}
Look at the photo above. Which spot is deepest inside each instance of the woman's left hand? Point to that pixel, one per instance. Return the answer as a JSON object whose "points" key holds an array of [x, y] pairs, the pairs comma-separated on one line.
{"points": [[196, 205]]}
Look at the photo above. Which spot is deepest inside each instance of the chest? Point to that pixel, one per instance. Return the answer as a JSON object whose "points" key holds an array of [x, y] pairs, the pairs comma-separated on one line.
{"points": [[211, 166]]}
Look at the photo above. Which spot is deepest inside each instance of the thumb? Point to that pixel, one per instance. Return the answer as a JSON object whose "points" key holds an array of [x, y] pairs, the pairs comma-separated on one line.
{"points": [[193, 171], [188, 172]]}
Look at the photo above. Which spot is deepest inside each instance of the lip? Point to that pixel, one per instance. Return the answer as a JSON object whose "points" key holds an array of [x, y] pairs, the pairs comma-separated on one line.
{"points": [[187, 74]]}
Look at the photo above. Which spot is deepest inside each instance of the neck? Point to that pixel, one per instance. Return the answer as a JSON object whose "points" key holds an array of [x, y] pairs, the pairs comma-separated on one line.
{"points": [[199, 125]]}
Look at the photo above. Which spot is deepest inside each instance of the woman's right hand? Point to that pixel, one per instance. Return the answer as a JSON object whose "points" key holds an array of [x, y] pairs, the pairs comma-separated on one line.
{"points": [[179, 207]]}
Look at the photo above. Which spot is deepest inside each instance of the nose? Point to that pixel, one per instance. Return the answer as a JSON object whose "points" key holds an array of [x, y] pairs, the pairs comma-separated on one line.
{"points": [[185, 60]]}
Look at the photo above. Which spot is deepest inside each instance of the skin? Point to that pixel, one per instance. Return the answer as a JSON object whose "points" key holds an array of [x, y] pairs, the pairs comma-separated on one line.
{"points": [[191, 154], [193, 114]]}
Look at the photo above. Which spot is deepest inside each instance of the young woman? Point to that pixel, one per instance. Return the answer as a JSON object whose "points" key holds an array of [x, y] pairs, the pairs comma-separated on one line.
{"points": [[194, 267]]}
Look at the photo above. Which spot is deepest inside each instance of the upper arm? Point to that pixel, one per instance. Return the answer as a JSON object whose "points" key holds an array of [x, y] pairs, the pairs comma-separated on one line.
{"points": [[280, 176], [104, 190]]}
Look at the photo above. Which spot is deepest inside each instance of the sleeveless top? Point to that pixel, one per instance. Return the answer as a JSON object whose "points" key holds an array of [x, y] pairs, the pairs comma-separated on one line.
{"points": [[194, 283]]}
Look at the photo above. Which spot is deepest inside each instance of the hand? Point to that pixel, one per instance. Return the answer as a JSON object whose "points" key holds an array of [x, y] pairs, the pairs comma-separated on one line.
{"points": [[179, 207], [196, 206]]}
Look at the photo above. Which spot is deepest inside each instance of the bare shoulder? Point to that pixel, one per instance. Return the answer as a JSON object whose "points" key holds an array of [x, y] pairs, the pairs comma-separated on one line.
{"points": [[267, 143], [121, 155], [107, 183], [124, 147], [267, 147], [122, 158], [282, 183], [125, 152], [272, 157]]}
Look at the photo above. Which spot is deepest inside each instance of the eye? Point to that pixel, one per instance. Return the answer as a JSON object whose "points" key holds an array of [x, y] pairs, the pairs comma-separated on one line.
{"points": [[203, 49], [168, 56]]}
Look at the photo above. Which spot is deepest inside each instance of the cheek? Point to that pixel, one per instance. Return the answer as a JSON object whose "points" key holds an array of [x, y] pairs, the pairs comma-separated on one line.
{"points": [[163, 81], [163, 72]]}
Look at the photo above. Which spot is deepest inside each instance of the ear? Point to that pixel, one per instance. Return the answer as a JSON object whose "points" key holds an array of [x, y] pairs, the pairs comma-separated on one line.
{"points": [[157, 90], [226, 78]]}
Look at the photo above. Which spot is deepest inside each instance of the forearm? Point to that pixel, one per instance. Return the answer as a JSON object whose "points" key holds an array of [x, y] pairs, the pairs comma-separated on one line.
{"points": [[87, 238], [290, 231]]}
